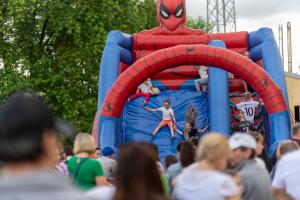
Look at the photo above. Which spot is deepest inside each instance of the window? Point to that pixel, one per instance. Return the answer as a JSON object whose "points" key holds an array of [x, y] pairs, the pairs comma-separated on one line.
{"points": [[297, 113]]}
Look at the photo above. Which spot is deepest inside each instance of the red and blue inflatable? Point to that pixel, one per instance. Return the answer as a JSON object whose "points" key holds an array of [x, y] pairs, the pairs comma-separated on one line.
{"points": [[168, 54]]}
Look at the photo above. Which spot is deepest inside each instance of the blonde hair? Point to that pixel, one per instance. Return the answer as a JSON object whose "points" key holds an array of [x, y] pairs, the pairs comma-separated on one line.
{"points": [[212, 148], [247, 95], [84, 143]]}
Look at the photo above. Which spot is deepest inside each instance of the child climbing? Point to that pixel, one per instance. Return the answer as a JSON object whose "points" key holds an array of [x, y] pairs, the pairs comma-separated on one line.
{"points": [[248, 107], [190, 133], [147, 90], [168, 118]]}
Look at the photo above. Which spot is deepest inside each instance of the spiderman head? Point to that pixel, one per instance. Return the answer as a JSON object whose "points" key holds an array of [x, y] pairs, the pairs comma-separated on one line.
{"points": [[171, 13]]}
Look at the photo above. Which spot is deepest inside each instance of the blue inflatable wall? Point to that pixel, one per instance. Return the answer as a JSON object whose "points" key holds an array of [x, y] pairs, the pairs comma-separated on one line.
{"points": [[138, 124]]}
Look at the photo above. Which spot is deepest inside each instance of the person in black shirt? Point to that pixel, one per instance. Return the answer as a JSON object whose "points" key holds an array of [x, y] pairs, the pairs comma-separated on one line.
{"points": [[243, 125], [190, 133]]}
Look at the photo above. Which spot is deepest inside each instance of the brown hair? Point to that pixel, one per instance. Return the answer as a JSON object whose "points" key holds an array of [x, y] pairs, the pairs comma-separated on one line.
{"points": [[296, 129], [257, 136], [187, 154], [170, 160], [287, 146], [154, 150], [167, 101], [138, 177]]}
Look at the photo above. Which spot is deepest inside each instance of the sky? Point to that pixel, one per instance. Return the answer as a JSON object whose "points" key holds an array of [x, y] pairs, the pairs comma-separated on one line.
{"points": [[254, 14]]}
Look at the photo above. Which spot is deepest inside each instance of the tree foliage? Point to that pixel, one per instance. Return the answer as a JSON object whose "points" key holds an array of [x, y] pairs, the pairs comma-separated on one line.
{"points": [[198, 23], [52, 48]]}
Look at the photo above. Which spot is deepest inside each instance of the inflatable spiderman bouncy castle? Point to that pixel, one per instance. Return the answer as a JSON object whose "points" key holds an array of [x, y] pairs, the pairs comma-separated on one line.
{"points": [[168, 55]]}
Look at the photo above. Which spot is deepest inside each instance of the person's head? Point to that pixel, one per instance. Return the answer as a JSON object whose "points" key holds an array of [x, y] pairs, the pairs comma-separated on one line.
{"points": [[137, 175], [154, 149], [260, 142], [188, 126], [247, 96], [108, 152], [243, 147], [84, 143], [27, 132], [167, 103], [241, 116], [237, 180], [214, 149], [187, 154], [296, 131], [286, 147], [96, 154], [282, 195], [170, 160]]}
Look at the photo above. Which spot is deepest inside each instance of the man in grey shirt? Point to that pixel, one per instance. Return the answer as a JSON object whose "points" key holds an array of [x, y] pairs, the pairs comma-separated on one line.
{"points": [[28, 149], [108, 163], [256, 181]]}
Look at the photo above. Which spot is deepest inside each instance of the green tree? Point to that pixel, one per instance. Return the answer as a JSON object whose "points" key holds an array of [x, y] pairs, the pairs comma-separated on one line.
{"points": [[198, 23], [53, 48]]}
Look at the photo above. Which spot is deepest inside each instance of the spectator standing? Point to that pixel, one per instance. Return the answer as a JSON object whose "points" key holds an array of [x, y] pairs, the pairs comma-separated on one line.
{"points": [[260, 145], [287, 175], [86, 172], [204, 179], [296, 133], [283, 148], [256, 181], [170, 160], [138, 177], [96, 155], [108, 163], [186, 158], [28, 149]]}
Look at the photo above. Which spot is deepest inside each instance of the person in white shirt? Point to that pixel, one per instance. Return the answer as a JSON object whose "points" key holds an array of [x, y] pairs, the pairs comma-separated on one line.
{"points": [[203, 80], [205, 179], [248, 107], [287, 175], [145, 89], [168, 118]]}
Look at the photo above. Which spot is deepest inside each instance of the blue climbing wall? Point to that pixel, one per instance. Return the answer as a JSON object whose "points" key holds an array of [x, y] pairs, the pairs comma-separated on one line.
{"points": [[138, 124]]}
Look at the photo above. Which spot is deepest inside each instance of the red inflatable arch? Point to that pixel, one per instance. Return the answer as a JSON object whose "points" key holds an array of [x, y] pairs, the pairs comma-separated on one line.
{"points": [[168, 58]]}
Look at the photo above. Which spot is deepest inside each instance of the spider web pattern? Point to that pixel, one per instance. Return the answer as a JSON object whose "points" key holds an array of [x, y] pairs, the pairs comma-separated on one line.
{"points": [[180, 55]]}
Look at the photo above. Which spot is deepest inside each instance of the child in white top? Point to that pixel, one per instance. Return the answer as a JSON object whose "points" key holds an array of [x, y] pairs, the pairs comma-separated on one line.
{"points": [[147, 90], [168, 118]]}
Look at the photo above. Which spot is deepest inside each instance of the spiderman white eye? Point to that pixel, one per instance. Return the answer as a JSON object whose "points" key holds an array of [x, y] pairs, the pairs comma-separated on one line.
{"points": [[164, 14], [179, 13]]}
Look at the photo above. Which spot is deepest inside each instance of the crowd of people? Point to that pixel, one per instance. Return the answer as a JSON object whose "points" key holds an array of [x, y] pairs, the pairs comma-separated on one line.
{"points": [[34, 167]]}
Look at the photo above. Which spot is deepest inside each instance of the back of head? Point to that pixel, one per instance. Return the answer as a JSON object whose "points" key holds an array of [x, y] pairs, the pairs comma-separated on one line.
{"points": [[187, 154], [287, 146], [212, 148], [24, 119], [154, 149], [247, 95], [107, 151], [84, 143], [296, 130], [170, 160], [137, 177]]}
